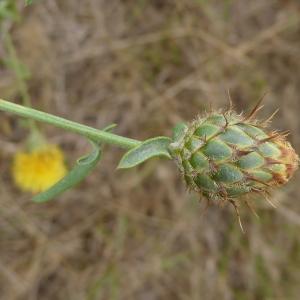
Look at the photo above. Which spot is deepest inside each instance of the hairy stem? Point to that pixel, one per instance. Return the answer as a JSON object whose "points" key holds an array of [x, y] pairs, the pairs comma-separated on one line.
{"points": [[86, 131]]}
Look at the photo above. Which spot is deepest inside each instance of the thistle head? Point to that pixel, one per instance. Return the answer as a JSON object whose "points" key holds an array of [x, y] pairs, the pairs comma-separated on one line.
{"points": [[225, 155]]}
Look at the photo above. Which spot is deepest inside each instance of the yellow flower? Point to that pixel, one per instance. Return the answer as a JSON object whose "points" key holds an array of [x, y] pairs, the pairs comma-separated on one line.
{"points": [[37, 170]]}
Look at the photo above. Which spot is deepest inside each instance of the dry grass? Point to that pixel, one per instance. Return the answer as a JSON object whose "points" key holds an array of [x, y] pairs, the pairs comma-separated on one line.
{"points": [[138, 235]]}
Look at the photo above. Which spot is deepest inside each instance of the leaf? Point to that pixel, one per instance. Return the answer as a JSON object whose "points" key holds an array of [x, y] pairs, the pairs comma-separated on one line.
{"points": [[84, 166], [82, 169], [8, 10], [179, 131], [154, 147]]}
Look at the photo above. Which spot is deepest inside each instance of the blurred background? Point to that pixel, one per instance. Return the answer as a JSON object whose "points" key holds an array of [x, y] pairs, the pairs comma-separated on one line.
{"points": [[146, 65]]}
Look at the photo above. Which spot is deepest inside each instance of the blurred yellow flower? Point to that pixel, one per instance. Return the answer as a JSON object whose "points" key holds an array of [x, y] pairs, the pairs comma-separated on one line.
{"points": [[37, 170]]}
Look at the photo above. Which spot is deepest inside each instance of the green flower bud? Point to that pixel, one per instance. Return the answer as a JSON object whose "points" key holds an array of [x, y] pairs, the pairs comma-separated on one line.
{"points": [[226, 155]]}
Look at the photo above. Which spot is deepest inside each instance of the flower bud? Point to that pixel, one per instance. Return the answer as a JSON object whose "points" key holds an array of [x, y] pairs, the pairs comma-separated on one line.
{"points": [[226, 155]]}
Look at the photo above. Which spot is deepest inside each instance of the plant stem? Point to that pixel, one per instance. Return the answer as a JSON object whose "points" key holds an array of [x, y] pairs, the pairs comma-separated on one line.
{"points": [[17, 68], [86, 131]]}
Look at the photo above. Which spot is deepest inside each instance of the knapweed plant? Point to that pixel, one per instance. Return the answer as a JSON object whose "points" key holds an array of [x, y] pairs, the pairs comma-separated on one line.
{"points": [[222, 155]]}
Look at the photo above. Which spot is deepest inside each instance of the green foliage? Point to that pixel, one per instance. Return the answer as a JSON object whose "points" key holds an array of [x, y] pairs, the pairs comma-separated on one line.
{"points": [[84, 166], [154, 147], [8, 10], [178, 131]]}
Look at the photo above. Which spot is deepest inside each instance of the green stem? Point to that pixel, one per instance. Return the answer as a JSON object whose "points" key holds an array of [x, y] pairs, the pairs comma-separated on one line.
{"points": [[89, 132], [16, 66]]}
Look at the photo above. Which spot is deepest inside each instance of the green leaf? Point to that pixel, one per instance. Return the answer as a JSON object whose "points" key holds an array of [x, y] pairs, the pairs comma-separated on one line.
{"points": [[83, 168], [154, 147], [8, 10], [179, 131]]}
